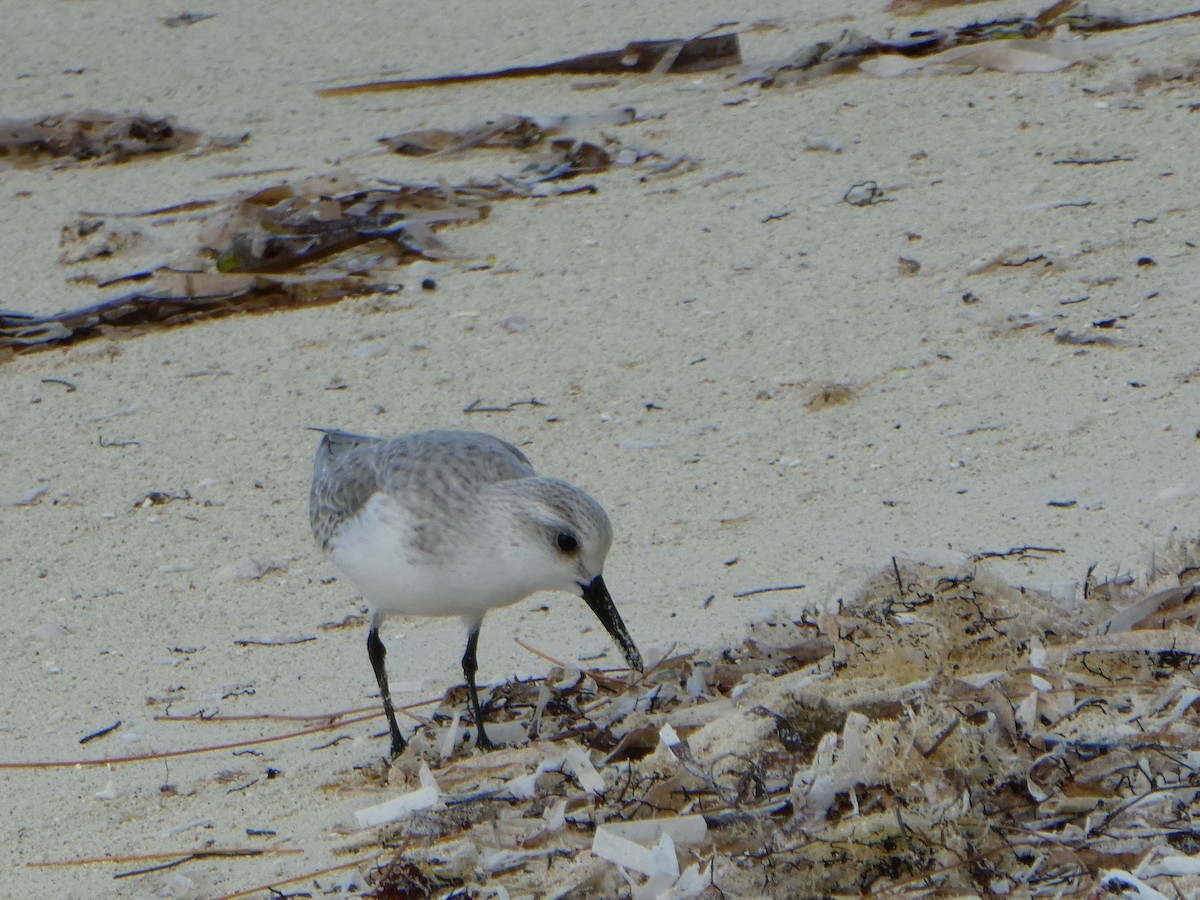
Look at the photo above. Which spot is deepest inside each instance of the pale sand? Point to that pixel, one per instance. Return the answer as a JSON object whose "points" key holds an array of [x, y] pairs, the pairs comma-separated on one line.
{"points": [[672, 292]]}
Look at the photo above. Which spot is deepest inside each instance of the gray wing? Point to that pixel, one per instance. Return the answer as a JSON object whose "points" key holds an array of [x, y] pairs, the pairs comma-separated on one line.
{"points": [[433, 472]]}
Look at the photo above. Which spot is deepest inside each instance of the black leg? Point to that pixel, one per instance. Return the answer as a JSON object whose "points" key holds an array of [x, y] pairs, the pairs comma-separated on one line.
{"points": [[378, 652], [470, 665]]}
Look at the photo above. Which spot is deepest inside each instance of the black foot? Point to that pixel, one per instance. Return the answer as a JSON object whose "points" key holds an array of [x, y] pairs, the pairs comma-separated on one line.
{"points": [[483, 742]]}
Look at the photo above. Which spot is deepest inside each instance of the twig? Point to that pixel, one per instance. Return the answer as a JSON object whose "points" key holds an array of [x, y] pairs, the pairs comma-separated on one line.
{"points": [[148, 857], [768, 590], [538, 653], [601, 676], [1015, 551], [278, 717], [101, 733], [1188, 785], [940, 739], [133, 873], [248, 642], [363, 861], [170, 754], [337, 740], [267, 717], [476, 406], [976, 429], [623, 687], [1096, 161]]}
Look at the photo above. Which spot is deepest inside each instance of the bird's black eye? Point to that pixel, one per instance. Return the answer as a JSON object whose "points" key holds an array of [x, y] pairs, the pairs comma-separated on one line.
{"points": [[567, 542]]}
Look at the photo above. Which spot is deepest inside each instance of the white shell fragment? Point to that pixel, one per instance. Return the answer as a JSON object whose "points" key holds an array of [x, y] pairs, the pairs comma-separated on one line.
{"points": [[647, 846], [244, 569], [627, 157], [555, 817], [450, 738], [424, 797], [573, 762], [1129, 885], [577, 764], [657, 860], [511, 733], [685, 831], [822, 142]]}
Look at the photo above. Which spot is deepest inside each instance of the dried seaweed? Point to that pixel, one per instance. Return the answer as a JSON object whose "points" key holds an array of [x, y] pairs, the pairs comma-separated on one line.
{"points": [[196, 296], [1020, 44], [674, 57], [303, 243], [509, 132], [283, 227], [187, 18], [90, 135], [944, 735]]}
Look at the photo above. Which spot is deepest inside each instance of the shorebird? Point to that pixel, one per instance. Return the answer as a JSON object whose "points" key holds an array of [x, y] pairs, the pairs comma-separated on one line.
{"points": [[455, 523]]}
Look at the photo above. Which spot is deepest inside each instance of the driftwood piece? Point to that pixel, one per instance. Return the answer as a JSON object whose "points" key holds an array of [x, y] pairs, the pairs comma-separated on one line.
{"points": [[674, 57]]}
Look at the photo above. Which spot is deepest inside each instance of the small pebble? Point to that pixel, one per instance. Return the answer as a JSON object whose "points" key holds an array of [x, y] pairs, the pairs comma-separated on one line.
{"points": [[47, 631], [514, 324], [822, 142]]}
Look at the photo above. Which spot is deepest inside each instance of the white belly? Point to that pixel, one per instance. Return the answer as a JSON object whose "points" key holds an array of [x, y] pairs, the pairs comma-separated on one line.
{"points": [[375, 553]]}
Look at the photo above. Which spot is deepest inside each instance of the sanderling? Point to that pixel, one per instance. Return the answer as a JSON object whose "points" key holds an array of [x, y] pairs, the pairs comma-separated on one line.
{"points": [[454, 523]]}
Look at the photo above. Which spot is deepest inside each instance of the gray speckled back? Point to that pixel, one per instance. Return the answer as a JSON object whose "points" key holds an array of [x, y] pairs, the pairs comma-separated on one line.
{"points": [[437, 473]]}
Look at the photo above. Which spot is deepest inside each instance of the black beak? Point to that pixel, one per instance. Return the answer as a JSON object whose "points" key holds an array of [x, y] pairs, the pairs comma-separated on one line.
{"points": [[597, 597]]}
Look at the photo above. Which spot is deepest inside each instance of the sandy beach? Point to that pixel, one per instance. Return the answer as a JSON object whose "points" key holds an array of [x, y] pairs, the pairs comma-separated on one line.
{"points": [[765, 382]]}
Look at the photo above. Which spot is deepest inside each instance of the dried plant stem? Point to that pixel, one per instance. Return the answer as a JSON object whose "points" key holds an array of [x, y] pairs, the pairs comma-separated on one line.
{"points": [[362, 861], [170, 754], [150, 857]]}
